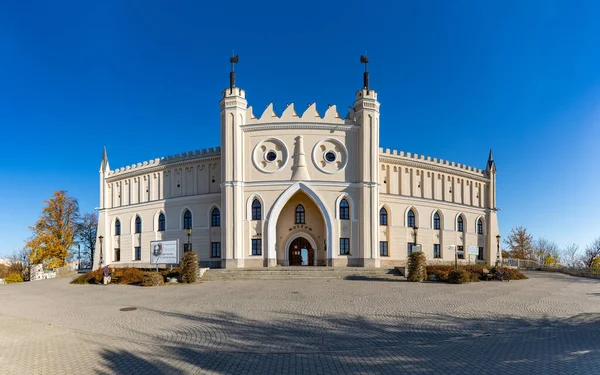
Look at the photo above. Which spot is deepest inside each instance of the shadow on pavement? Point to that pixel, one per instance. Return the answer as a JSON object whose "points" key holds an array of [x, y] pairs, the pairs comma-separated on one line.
{"points": [[294, 343]]}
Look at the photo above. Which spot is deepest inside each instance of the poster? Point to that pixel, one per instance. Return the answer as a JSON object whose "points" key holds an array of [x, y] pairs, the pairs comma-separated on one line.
{"points": [[164, 252]]}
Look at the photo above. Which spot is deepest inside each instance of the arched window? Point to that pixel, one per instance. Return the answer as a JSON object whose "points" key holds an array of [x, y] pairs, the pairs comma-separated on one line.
{"points": [[187, 220], [436, 221], [138, 224], [383, 216], [410, 219], [215, 218], [300, 219], [344, 210], [256, 215], [479, 226], [459, 224], [117, 227], [161, 222]]}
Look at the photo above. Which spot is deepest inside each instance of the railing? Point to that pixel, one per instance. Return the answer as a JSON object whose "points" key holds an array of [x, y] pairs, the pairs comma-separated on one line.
{"points": [[521, 264]]}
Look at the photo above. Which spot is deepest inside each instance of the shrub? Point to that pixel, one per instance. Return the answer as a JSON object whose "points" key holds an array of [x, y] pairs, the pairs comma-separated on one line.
{"points": [[513, 273], [13, 278], [153, 279], [92, 277], [131, 275], [190, 266], [417, 267], [459, 276], [441, 272], [175, 272]]}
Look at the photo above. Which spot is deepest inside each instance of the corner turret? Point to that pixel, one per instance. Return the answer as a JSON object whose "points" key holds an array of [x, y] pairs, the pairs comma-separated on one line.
{"points": [[491, 165]]}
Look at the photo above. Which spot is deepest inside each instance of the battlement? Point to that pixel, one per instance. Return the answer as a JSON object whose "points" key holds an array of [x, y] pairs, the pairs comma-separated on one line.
{"points": [[429, 160], [310, 115], [213, 151]]}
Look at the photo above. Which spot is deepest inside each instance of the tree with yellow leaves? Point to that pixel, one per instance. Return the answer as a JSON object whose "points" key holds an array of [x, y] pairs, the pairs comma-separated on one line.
{"points": [[54, 233]]}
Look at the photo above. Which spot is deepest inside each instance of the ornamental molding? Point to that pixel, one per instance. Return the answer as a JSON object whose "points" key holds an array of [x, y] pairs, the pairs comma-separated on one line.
{"points": [[436, 168], [159, 168], [285, 126]]}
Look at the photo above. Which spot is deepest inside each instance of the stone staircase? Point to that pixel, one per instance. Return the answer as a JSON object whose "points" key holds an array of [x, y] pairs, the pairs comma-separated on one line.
{"points": [[287, 273]]}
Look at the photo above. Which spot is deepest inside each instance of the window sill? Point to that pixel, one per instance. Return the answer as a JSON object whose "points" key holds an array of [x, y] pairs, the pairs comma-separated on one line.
{"points": [[345, 255], [255, 255], [215, 257]]}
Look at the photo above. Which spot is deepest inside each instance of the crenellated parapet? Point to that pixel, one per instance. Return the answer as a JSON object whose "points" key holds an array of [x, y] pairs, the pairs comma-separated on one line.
{"points": [[166, 161], [391, 156], [289, 115]]}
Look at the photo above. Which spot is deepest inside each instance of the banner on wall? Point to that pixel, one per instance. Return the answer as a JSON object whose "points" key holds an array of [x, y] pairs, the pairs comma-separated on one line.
{"points": [[164, 252]]}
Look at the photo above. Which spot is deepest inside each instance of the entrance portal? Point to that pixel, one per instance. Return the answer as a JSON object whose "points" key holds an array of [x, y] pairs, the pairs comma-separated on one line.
{"points": [[301, 252]]}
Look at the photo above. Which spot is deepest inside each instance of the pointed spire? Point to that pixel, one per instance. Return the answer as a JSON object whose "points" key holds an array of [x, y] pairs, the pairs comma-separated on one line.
{"points": [[491, 164], [300, 171], [104, 163]]}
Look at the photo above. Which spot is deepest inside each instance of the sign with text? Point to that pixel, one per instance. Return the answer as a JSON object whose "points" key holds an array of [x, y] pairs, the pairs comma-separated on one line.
{"points": [[164, 252], [473, 250]]}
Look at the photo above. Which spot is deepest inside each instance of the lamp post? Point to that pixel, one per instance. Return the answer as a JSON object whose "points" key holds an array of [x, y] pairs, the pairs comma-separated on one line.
{"points": [[189, 234], [416, 231], [101, 260], [497, 250], [79, 256]]}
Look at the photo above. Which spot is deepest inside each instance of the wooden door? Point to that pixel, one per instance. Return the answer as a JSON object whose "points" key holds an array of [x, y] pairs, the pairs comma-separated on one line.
{"points": [[295, 252]]}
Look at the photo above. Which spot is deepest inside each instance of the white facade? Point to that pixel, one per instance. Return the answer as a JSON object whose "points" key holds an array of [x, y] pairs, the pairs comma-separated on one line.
{"points": [[276, 163]]}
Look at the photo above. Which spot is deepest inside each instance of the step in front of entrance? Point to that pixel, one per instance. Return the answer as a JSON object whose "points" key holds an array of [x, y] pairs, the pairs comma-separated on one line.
{"points": [[284, 273]]}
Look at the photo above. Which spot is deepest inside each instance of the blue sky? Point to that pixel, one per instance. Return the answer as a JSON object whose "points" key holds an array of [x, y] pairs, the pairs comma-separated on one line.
{"points": [[454, 79]]}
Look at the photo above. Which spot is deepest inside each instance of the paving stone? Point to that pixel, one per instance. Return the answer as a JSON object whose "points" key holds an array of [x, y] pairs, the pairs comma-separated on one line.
{"points": [[545, 325]]}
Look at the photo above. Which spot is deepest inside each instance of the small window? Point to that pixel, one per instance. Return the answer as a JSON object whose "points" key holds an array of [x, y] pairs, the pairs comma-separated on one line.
{"points": [[216, 250], [436, 221], [138, 224], [383, 216], [117, 228], [480, 254], [215, 219], [410, 248], [330, 156], [344, 246], [161, 222], [300, 218], [138, 253], [479, 226], [383, 248], [187, 220], [271, 156], [436, 251], [461, 253], [344, 210], [411, 219], [256, 208], [256, 246], [459, 224], [117, 255]]}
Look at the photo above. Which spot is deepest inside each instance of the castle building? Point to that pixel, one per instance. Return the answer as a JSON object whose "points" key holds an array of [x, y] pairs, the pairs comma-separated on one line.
{"points": [[298, 189]]}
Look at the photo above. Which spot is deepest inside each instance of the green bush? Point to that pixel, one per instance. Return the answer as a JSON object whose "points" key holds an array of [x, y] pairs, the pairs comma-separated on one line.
{"points": [[190, 266], [459, 276], [13, 278], [153, 279], [417, 267]]}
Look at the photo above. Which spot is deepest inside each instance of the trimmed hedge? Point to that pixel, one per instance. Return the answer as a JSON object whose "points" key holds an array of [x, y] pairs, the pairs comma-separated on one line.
{"points": [[153, 279], [474, 273], [417, 267], [190, 267]]}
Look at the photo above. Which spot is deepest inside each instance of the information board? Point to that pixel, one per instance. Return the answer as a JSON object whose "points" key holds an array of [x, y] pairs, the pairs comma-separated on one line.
{"points": [[164, 252]]}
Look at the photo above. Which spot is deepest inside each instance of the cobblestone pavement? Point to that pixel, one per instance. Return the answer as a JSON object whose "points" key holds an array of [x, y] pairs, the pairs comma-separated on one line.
{"points": [[549, 324]]}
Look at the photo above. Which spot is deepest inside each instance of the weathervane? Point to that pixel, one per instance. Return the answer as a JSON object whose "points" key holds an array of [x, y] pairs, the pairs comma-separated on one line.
{"points": [[233, 60], [365, 60]]}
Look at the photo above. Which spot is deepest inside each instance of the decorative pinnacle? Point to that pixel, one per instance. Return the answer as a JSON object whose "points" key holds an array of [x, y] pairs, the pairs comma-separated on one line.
{"points": [[365, 60], [233, 60]]}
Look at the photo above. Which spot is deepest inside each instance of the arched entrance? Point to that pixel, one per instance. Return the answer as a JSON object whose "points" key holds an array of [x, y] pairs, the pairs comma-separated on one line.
{"points": [[301, 252]]}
